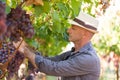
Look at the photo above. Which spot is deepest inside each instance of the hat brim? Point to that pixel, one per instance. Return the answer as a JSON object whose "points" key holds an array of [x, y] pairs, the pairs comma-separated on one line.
{"points": [[75, 23]]}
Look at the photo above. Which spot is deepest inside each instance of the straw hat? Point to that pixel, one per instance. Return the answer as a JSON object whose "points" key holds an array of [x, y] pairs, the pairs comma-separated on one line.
{"points": [[85, 21]]}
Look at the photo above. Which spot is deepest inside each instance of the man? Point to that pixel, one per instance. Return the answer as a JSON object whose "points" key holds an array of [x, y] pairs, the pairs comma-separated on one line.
{"points": [[82, 62]]}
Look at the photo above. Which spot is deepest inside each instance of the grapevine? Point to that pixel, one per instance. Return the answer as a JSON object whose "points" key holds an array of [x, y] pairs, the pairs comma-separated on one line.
{"points": [[6, 51], [3, 47], [18, 25], [13, 66], [3, 26]]}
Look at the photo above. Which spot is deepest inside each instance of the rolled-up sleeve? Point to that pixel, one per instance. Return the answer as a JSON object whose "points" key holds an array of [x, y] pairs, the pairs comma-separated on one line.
{"points": [[78, 65]]}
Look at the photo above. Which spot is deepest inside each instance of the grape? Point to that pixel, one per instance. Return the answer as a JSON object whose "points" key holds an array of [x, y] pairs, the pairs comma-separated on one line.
{"points": [[3, 26], [2, 8], [6, 52], [14, 64], [19, 24]]}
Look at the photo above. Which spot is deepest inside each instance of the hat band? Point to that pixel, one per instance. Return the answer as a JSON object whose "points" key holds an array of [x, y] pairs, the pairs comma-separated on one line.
{"points": [[83, 24]]}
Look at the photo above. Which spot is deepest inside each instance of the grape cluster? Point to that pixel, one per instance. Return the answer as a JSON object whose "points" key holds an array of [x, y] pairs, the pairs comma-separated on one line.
{"points": [[2, 9], [6, 50], [13, 66], [19, 24], [3, 26], [9, 56]]}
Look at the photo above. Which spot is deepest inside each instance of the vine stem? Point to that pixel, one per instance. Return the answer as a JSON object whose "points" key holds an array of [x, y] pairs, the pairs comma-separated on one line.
{"points": [[20, 5]]}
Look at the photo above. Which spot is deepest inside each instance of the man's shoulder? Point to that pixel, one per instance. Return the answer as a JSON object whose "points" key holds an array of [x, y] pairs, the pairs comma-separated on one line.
{"points": [[88, 59]]}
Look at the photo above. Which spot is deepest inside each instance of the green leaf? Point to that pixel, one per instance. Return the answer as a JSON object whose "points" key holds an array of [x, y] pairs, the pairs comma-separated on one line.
{"points": [[13, 3], [63, 9], [32, 43], [38, 10], [8, 9], [55, 16], [42, 9], [3, 0], [46, 6], [76, 6], [42, 31], [88, 1], [65, 36], [57, 26]]}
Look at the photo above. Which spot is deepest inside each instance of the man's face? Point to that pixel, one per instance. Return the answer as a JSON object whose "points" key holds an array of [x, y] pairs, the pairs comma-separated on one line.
{"points": [[76, 33]]}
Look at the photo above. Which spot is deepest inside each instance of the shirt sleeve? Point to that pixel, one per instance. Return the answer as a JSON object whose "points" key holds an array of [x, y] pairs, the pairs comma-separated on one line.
{"points": [[60, 57], [79, 65]]}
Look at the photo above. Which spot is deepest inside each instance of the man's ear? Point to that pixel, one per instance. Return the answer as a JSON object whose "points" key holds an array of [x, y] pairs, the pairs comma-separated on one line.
{"points": [[88, 34]]}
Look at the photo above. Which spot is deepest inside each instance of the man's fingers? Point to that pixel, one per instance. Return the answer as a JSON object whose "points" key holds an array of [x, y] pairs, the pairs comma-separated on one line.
{"points": [[20, 45]]}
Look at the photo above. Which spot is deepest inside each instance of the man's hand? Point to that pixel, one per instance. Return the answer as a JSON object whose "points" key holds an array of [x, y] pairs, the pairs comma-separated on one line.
{"points": [[26, 51], [20, 45], [29, 53], [23, 48]]}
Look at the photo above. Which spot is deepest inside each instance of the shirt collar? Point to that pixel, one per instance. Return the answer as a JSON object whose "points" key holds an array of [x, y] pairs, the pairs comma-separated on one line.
{"points": [[86, 47]]}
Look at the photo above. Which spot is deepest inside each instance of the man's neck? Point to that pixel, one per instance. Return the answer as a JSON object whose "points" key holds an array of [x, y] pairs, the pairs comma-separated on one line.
{"points": [[79, 44]]}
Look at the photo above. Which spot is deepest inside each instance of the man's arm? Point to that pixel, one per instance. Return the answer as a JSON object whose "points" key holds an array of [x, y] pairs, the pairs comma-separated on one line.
{"points": [[30, 55], [71, 67], [60, 57], [78, 65]]}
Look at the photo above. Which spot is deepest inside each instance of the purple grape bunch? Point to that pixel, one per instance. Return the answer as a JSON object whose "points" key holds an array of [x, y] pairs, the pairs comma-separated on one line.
{"points": [[2, 9], [8, 54], [3, 26], [19, 24], [6, 50], [13, 66]]}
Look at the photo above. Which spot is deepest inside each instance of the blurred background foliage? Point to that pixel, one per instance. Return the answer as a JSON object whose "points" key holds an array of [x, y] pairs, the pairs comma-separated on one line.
{"points": [[50, 21]]}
